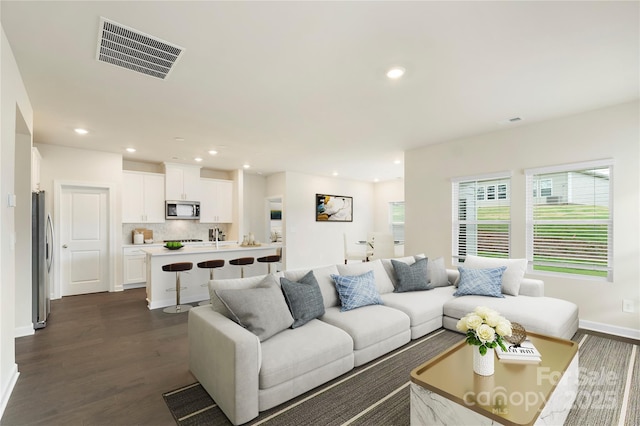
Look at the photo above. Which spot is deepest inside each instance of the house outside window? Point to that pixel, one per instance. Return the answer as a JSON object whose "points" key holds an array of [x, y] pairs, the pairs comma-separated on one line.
{"points": [[481, 227], [396, 219], [491, 192], [570, 220]]}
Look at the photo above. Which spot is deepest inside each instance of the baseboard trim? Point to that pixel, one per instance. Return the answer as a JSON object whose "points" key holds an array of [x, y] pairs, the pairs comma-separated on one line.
{"points": [[610, 329], [6, 393], [24, 331]]}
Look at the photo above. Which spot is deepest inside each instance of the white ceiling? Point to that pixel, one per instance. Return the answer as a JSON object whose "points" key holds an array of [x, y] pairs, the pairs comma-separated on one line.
{"points": [[301, 86]]}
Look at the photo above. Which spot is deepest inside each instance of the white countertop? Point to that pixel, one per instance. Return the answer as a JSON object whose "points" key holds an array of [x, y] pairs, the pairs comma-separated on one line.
{"points": [[192, 243], [160, 250]]}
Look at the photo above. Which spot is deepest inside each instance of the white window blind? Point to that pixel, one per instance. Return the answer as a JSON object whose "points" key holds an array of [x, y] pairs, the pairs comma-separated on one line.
{"points": [[481, 225], [570, 219], [396, 219]]}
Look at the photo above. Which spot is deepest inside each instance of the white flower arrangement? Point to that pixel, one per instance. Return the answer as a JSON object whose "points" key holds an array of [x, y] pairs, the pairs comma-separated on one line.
{"points": [[485, 328]]}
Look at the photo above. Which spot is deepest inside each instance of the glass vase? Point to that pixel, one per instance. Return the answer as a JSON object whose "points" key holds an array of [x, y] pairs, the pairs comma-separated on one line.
{"points": [[483, 364]]}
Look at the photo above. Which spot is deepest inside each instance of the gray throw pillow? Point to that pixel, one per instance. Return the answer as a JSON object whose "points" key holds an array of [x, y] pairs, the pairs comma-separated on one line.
{"points": [[304, 299], [261, 310], [411, 277], [437, 273]]}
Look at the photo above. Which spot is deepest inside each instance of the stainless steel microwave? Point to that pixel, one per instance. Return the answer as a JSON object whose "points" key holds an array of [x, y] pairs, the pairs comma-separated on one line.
{"points": [[182, 210]]}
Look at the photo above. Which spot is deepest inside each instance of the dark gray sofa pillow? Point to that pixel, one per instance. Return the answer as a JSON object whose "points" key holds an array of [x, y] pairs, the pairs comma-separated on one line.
{"points": [[304, 299], [411, 277]]}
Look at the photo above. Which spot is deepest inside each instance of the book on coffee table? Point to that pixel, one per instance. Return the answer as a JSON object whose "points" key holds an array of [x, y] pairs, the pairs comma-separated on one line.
{"points": [[525, 352]]}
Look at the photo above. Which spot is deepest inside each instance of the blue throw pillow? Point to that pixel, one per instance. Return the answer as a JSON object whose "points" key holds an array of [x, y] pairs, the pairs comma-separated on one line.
{"points": [[480, 282], [356, 291]]}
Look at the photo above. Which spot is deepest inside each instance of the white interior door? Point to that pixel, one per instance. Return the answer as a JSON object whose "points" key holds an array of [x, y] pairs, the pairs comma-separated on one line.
{"points": [[84, 240]]}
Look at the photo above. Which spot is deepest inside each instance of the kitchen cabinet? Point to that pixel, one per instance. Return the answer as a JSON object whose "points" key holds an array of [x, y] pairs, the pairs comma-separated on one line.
{"points": [[216, 204], [142, 197], [134, 267], [36, 159], [182, 182]]}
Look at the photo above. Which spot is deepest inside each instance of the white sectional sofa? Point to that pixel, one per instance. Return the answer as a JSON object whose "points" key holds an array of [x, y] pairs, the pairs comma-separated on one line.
{"points": [[245, 375]]}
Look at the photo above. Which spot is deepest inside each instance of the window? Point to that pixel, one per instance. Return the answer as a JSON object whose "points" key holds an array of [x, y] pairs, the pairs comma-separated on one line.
{"points": [[480, 196], [502, 191], [396, 219], [481, 227], [546, 187], [570, 223], [491, 192]]}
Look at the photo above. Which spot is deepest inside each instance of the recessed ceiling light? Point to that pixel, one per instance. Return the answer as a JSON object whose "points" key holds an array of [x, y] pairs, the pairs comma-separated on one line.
{"points": [[81, 131], [178, 139], [213, 152], [335, 173], [131, 150], [246, 166], [395, 73], [376, 180], [397, 162], [198, 159]]}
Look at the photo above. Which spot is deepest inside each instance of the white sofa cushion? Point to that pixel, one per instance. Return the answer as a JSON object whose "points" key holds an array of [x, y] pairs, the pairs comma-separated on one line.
{"points": [[420, 306], [545, 315], [295, 352], [368, 325]]}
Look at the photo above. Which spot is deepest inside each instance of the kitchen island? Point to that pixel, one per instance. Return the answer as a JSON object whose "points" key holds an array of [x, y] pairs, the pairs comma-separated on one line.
{"points": [[194, 284]]}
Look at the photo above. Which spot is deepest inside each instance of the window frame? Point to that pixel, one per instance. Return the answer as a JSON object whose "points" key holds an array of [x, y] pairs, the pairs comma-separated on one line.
{"points": [[457, 223], [532, 199]]}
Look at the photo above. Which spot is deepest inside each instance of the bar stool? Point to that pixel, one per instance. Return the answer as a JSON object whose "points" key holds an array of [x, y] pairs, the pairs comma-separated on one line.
{"points": [[241, 261], [269, 260], [177, 268], [211, 265]]}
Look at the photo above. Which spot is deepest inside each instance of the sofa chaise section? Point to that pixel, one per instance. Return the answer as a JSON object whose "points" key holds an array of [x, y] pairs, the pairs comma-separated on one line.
{"points": [[534, 311]]}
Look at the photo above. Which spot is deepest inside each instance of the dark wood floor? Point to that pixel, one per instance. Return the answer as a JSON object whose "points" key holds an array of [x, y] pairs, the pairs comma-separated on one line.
{"points": [[103, 359]]}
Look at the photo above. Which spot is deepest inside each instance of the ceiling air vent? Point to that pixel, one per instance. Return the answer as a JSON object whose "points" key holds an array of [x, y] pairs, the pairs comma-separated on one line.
{"points": [[128, 48]]}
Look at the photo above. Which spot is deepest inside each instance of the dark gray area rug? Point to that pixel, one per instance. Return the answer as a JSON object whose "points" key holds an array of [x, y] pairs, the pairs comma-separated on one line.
{"points": [[378, 392]]}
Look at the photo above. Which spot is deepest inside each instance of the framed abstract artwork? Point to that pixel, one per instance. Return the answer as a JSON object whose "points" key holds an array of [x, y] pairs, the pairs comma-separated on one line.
{"points": [[334, 208]]}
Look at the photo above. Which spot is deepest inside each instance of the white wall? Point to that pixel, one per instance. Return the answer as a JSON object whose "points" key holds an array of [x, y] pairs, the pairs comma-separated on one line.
{"points": [[607, 133], [255, 189], [88, 167], [310, 243], [13, 98], [23, 264]]}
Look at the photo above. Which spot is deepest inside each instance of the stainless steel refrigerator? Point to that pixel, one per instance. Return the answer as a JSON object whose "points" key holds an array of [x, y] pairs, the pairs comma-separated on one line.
{"points": [[42, 258]]}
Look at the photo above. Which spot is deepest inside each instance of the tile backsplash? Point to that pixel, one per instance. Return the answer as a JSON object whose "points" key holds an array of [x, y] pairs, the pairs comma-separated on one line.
{"points": [[172, 230]]}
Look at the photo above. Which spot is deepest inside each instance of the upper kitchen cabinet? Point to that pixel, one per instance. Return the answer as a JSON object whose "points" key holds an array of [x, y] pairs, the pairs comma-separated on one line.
{"points": [[182, 182], [216, 205], [142, 197]]}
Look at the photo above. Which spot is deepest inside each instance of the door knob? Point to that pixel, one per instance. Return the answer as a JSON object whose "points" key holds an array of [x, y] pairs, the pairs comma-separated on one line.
{"points": [[64, 246]]}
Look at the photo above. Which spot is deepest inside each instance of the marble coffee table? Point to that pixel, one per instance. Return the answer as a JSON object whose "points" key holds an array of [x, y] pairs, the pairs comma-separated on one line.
{"points": [[446, 391]]}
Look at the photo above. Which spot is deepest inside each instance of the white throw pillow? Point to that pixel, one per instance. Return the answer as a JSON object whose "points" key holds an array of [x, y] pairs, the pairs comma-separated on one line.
{"points": [[512, 276]]}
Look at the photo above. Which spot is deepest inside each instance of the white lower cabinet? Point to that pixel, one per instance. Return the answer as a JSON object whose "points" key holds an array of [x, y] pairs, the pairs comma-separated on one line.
{"points": [[134, 267]]}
